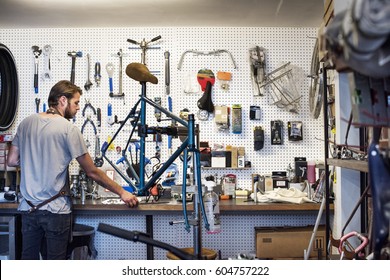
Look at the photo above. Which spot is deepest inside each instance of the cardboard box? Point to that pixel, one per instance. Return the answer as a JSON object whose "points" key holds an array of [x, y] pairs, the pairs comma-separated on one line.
{"points": [[221, 114], [234, 155], [218, 159], [288, 242], [240, 157]]}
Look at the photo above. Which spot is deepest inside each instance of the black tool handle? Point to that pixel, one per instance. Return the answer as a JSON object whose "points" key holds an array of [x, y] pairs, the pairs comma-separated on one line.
{"points": [[99, 117], [36, 82], [72, 73], [156, 38], [97, 69], [132, 41]]}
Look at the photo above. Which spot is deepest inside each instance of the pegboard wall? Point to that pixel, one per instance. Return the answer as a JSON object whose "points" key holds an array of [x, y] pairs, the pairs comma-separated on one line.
{"points": [[281, 45], [237, 233]]}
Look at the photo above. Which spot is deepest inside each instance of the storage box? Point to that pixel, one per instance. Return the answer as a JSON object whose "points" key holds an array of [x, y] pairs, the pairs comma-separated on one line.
{"points": [[288, 242], [234, 155], [240, 157], [218, 159]]}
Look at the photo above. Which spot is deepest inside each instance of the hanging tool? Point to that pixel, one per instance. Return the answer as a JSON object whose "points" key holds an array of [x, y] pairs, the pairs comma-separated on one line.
{"points": [[110, 71], [98, 156], [47, 49], [37, 102], [110, 119], [120, 94], [169, 98], [88, 83], [73, 55], [88, 105], [88, 120], [215, 52], [97, 74], [144, 46], [36, 53]]}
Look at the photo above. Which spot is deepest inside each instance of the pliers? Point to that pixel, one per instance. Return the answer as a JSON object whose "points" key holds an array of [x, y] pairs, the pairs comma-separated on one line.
{"points": [[88, 104], [88, 120]]}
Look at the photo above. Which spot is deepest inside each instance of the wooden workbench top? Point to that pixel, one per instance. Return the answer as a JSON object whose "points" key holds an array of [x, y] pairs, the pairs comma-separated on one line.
{"points": [[164, 205]]}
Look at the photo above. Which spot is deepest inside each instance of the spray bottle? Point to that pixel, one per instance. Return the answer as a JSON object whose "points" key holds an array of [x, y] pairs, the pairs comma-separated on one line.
{"points": [[211, 204]]}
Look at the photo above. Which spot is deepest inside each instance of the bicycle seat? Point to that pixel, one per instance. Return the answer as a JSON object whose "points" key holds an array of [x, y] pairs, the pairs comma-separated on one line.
{"points": [[140, 73], [205, 102]]}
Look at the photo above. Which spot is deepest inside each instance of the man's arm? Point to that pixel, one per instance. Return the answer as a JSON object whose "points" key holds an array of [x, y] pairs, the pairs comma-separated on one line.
{"points": [[13, 159], [102, 179]]}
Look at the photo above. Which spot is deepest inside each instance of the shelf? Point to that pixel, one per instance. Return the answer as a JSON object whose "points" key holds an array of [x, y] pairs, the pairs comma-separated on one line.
{"points": [[358, 165], [235, 168]]}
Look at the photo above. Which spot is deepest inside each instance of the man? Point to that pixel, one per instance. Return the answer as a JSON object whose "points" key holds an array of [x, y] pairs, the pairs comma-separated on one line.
{"points": [[44, 145]]}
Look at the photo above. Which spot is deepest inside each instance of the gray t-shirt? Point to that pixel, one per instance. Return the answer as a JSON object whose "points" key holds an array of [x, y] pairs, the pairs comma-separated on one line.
{"points": [[46, 146]]}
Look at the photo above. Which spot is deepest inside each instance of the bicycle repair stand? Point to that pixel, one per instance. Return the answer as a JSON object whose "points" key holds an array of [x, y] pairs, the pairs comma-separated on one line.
{"points": [[140, 73]]}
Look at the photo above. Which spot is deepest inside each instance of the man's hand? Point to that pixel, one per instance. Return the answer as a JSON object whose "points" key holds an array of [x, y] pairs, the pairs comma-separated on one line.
{"points": [[129, 199]]}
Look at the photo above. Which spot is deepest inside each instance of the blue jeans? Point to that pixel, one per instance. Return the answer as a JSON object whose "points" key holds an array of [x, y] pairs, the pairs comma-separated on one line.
{"points": [[46, 233]]}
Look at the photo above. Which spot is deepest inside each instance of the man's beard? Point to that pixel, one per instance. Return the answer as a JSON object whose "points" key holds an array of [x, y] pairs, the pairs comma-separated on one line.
{"points": [[68, 115]]}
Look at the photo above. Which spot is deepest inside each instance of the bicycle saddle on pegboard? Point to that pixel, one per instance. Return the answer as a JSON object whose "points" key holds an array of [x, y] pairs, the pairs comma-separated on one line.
{"points": [[205, 102]]}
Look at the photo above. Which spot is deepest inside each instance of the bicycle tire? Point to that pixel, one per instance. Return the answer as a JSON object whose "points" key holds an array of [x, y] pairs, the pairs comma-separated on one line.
{"points": [[9, 94], [316, 86]]}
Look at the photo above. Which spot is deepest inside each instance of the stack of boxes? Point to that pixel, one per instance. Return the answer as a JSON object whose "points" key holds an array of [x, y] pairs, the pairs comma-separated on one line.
{"points": [[232, 157]]}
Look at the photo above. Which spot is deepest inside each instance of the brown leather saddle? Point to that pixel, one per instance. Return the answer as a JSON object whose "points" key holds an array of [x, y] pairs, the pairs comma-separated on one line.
{"points": [[140, 73]]}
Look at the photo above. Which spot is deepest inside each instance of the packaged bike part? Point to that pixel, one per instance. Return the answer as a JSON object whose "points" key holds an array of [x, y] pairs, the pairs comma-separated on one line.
{"points": [[276, 132], [191, 84], [254, 113], [257, 66], [222, 117], [258, 136], [229, 184], [211, 204], [295, 131], [236, 119], [224, 79]]}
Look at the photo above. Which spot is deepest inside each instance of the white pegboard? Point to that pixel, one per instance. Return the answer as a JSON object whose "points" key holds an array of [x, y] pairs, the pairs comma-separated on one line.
{"points": [[237, 233], [281, 44], [293, 45]]}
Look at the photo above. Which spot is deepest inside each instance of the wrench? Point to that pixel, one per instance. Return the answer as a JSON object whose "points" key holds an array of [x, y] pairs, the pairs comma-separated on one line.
{"points": [[120, 55], [46, 53], [88, 83], [110, 72], [37, 102], [36, 52]]}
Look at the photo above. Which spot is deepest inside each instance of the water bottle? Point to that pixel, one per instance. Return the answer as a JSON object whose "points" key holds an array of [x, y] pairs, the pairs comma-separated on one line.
{"points": [[211, 205]]}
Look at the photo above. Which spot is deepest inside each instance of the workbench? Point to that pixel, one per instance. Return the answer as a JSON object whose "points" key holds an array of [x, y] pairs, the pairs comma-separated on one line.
{"points": [[239, 217]]}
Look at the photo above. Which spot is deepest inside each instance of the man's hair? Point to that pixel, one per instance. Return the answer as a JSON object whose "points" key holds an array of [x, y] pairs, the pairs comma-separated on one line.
{"points": [[62, 88]]}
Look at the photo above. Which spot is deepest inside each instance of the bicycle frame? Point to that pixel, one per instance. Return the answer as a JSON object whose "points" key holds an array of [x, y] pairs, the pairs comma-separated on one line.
{"points": [[188, 146]]}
